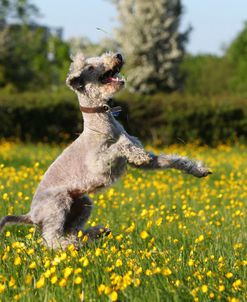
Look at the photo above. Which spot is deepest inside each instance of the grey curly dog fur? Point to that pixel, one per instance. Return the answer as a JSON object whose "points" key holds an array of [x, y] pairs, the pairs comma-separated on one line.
{"points": [[95, 160]]}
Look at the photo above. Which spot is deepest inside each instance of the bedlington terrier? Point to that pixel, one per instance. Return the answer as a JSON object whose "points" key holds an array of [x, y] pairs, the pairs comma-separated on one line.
{"points": [[95, 160]]}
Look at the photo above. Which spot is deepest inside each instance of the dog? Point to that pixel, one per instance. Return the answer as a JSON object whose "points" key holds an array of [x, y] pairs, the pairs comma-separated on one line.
{"points": [[95, 160]]}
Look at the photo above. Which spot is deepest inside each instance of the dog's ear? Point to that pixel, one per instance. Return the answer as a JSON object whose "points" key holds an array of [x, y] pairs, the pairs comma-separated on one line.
{"points": [[75, 78]]}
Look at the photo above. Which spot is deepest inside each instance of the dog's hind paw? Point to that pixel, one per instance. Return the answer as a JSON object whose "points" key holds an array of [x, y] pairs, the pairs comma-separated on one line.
{"points": [[97, 232]]}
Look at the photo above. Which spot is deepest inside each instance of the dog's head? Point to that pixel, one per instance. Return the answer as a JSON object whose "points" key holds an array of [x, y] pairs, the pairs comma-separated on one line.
{"points": [[96, 77]]}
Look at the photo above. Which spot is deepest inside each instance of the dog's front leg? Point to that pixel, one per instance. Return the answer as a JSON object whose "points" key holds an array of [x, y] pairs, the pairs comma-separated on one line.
{"points": [[184, 164], [127, 149], [133, 151]]}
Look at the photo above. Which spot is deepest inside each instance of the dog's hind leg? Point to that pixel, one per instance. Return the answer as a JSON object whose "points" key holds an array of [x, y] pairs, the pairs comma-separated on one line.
{"points": [[50, 212], [77, 217], [79, 213]]}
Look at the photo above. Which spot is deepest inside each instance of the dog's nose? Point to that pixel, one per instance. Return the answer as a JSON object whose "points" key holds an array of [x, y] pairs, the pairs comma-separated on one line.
{"points": [[119, 57]]}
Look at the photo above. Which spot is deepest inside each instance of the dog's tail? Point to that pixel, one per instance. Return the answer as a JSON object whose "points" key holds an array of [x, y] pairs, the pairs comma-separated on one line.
{"points": [[11, 219]]}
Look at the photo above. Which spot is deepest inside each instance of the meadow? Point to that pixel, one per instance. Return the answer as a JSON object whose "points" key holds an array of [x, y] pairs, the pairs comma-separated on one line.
{"points": [[174, 237]]}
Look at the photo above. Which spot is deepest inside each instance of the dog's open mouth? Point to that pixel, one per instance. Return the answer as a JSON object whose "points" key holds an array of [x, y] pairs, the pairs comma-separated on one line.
{"points": [[113, 76]]}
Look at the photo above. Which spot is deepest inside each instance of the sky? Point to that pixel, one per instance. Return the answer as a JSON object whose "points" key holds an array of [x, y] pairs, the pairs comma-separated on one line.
{"points": [[215, 23]]}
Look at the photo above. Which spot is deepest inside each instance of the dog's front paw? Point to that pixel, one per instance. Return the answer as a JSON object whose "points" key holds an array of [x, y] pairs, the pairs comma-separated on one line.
{"points": [[141, 158]]}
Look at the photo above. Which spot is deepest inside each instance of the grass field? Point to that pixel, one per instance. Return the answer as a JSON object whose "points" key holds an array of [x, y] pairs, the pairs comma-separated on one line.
{"points": [[174, 237]]}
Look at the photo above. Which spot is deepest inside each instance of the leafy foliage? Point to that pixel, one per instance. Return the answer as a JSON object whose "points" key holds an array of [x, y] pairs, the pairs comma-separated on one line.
{"points": [[236, 56], [21, 11], [206, 75], [162, 119], [31, 56], [24, 58]]}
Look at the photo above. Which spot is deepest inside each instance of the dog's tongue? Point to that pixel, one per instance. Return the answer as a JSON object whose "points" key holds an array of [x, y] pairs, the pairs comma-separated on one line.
{"points": [[112, 79]]}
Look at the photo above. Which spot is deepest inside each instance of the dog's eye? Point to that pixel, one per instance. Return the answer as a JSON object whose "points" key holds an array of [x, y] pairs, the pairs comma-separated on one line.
{"points": [[90, 68]]}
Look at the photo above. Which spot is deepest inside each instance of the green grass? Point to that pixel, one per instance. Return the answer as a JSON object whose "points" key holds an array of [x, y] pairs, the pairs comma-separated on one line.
{"points": [[174, 237]]}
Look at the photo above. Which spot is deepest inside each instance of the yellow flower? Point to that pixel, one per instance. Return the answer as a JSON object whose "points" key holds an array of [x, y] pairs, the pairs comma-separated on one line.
{"points": [[85, 238], [11, 282], [199, 239], [113, 296], [53, 269], [209, 274], [28, 279], [85, 262], [238, 246], [78, 280], [62, 282], [107, 290], [237, 284], [118, 237], [97, 252], [101, 289], [7, 234], [221, 288], [30, 251], [204, 288], [159, 221], [40, 283], [119, 262], [221, 259], [32, 265], [77, 271], [229, 275], [53, 279], [63, 256], [2, 288], [47, 274], [166, 272], [17, 297], [137, 282], [191, 262], [67, 272], [233, 300], [148, 272], [47, 263], [17, 261], [31, 230], [144, 234], [71, 247]]}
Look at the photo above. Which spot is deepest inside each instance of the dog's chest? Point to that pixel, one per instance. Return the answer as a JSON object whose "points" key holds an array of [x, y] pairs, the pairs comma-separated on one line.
{"points": [[114, 168], [106, 166]]}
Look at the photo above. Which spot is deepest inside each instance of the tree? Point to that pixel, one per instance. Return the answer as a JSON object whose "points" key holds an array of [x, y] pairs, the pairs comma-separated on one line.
{"points": [[31, 56], [206, 74], [150, 40], [21, 11], [236, 56], [89, 48]]}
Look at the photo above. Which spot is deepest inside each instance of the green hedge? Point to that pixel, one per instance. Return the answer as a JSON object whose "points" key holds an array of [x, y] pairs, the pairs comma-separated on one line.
{"points": [[163, 119], [40, 116], [168, 119]]}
